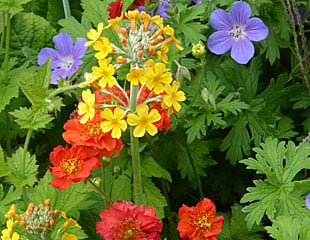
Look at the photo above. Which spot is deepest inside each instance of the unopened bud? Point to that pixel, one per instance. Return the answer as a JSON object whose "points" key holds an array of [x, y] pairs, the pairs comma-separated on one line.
{"points": [[182, 73], [151, 50], [198, 50], [47, 202], [139, 54], [116, 169], [120, 60], [208, 97]]}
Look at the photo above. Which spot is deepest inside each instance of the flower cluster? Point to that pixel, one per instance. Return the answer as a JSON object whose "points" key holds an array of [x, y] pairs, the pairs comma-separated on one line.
{"points": [[13, 220], [153, 96], [124, 220]]}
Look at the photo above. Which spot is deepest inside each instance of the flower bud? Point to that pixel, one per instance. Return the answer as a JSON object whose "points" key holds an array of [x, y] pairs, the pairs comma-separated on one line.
{"points": [[116, 169], [182, 73], [198, 50], [208, 98]]}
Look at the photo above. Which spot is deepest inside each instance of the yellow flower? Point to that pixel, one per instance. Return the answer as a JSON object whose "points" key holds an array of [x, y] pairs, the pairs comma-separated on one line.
{"points": [[136, 75], [87, 108], [133, 16], [158, 78], [6, 234], [104, 73], [104, 48], [161, 55], [94, 35], [12, 213], [147, 19], [173, 96], [69, 222], [113, 23], [68, 237], [114, 122], [143, 121], [89, 80], [149, 63]]}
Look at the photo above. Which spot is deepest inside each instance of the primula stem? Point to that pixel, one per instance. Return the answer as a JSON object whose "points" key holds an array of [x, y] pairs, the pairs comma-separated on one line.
{"points": [[103, 194], [29, 133], [7, 48], [66, 8], [146, 6], [136, 168], [3, 30]]}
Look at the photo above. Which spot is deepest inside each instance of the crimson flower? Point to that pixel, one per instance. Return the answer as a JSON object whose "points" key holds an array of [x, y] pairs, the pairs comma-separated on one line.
{"points": [[199, 222], [115, 8], [124, 220], [72, 165]]}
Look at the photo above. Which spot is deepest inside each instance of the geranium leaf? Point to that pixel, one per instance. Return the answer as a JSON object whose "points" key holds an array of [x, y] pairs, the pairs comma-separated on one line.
{"points": [[6, 199]]}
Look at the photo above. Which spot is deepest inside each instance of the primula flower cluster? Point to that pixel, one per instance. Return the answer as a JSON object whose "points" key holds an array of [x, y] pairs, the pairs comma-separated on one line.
{"points": [[13, 220], [124, 220]]}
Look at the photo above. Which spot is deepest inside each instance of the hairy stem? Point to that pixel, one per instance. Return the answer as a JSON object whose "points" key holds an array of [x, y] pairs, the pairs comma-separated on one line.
{"points": [[67, 11], [7, 48], [146, 6], [103, 194], [136, 168], [3, 30], [26, 145]]}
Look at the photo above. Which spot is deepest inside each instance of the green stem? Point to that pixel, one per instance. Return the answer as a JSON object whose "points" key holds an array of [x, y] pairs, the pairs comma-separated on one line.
{"points": [[146, 5], [67, 11], [136, 168], [61, 90], [3, 30], [29, 133], [103, 194], [7, 48]]}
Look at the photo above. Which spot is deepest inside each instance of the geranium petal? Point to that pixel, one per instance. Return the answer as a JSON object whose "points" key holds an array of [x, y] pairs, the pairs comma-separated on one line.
{"points": [[242, 51], [220, 42], [240, 13], [79, 49], [63, 43], [256, 30], [220, 20], [45, 53]]}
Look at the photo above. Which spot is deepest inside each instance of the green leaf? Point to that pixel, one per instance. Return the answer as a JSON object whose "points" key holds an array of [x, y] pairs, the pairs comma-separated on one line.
{"points": [[27, 118], [29, 30], [126, 4], [12, 6], [197, 128], [278, 193], [4, 171], [75, 28], [236, 228], [290, 227], [153, 197], [71, 200], [227, 105], [16, 176], [151, 168], [7, 92], [43, 76], [6, 200], [121, 189]]}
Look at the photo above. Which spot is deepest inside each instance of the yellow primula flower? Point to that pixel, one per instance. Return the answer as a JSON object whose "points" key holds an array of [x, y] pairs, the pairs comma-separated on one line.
{"points": [[149, 63], [161, 55], [133, 16], [143, 121], [173, 96], [136, 76], [104, 48], [89, 80], [157, 77], [68, 237], [104, 73], [9, 234], [87, 108], [94, 35], [113, 23], [115, 122], [69, 222], [12, 213]]}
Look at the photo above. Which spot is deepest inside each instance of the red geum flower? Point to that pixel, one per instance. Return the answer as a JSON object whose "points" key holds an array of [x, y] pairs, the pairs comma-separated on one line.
{"points": [[115, 8], [199, 222], [124, 220], [72, 165], [91, 135]]}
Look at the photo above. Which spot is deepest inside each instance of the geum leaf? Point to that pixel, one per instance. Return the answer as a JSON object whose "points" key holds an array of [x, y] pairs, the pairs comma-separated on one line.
{"points": [[6, 199]]}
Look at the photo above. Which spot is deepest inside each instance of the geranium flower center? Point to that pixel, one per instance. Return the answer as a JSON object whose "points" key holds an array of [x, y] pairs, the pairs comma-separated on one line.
{"points": [[70, 165], [237, 32], [91, 129], [66, 62], [203, 221]]}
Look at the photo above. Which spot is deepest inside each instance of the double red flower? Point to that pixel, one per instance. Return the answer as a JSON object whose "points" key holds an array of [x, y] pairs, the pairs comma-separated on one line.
{"points": [[115, 8], [124, 220], [199, 222]]}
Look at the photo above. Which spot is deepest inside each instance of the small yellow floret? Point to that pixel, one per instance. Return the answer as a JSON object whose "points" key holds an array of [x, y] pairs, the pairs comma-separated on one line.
{"points": [[87, 108], [94, 35], [136, 76], [114, 121]]}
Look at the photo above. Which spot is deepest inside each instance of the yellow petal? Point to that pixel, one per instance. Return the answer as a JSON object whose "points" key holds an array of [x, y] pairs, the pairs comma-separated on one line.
{"points": [[107, 114], [132, 119], [139, 131], [151, 129]]}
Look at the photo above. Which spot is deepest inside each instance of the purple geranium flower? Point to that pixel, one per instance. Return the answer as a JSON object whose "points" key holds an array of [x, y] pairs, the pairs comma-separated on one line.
{"points": [[162, 9], [66, 60], [308, 201], [235, 31], [197, 1]]}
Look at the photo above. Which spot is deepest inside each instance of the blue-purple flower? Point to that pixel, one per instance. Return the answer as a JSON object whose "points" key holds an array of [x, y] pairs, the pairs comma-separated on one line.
{"points": [[308, 201], [66, 60], [235, 31], [197, 1], [162, 9]]}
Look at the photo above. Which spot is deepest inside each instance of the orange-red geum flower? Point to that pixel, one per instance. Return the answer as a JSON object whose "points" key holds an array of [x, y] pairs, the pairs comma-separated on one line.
{"points": [[199, 222], [90, 134], [124, 220], [72, 165]]}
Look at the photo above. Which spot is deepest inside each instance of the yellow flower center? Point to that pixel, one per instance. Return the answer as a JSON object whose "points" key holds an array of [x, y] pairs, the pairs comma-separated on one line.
{"points": [[91, 129], [203, 221], [70, 165]]}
